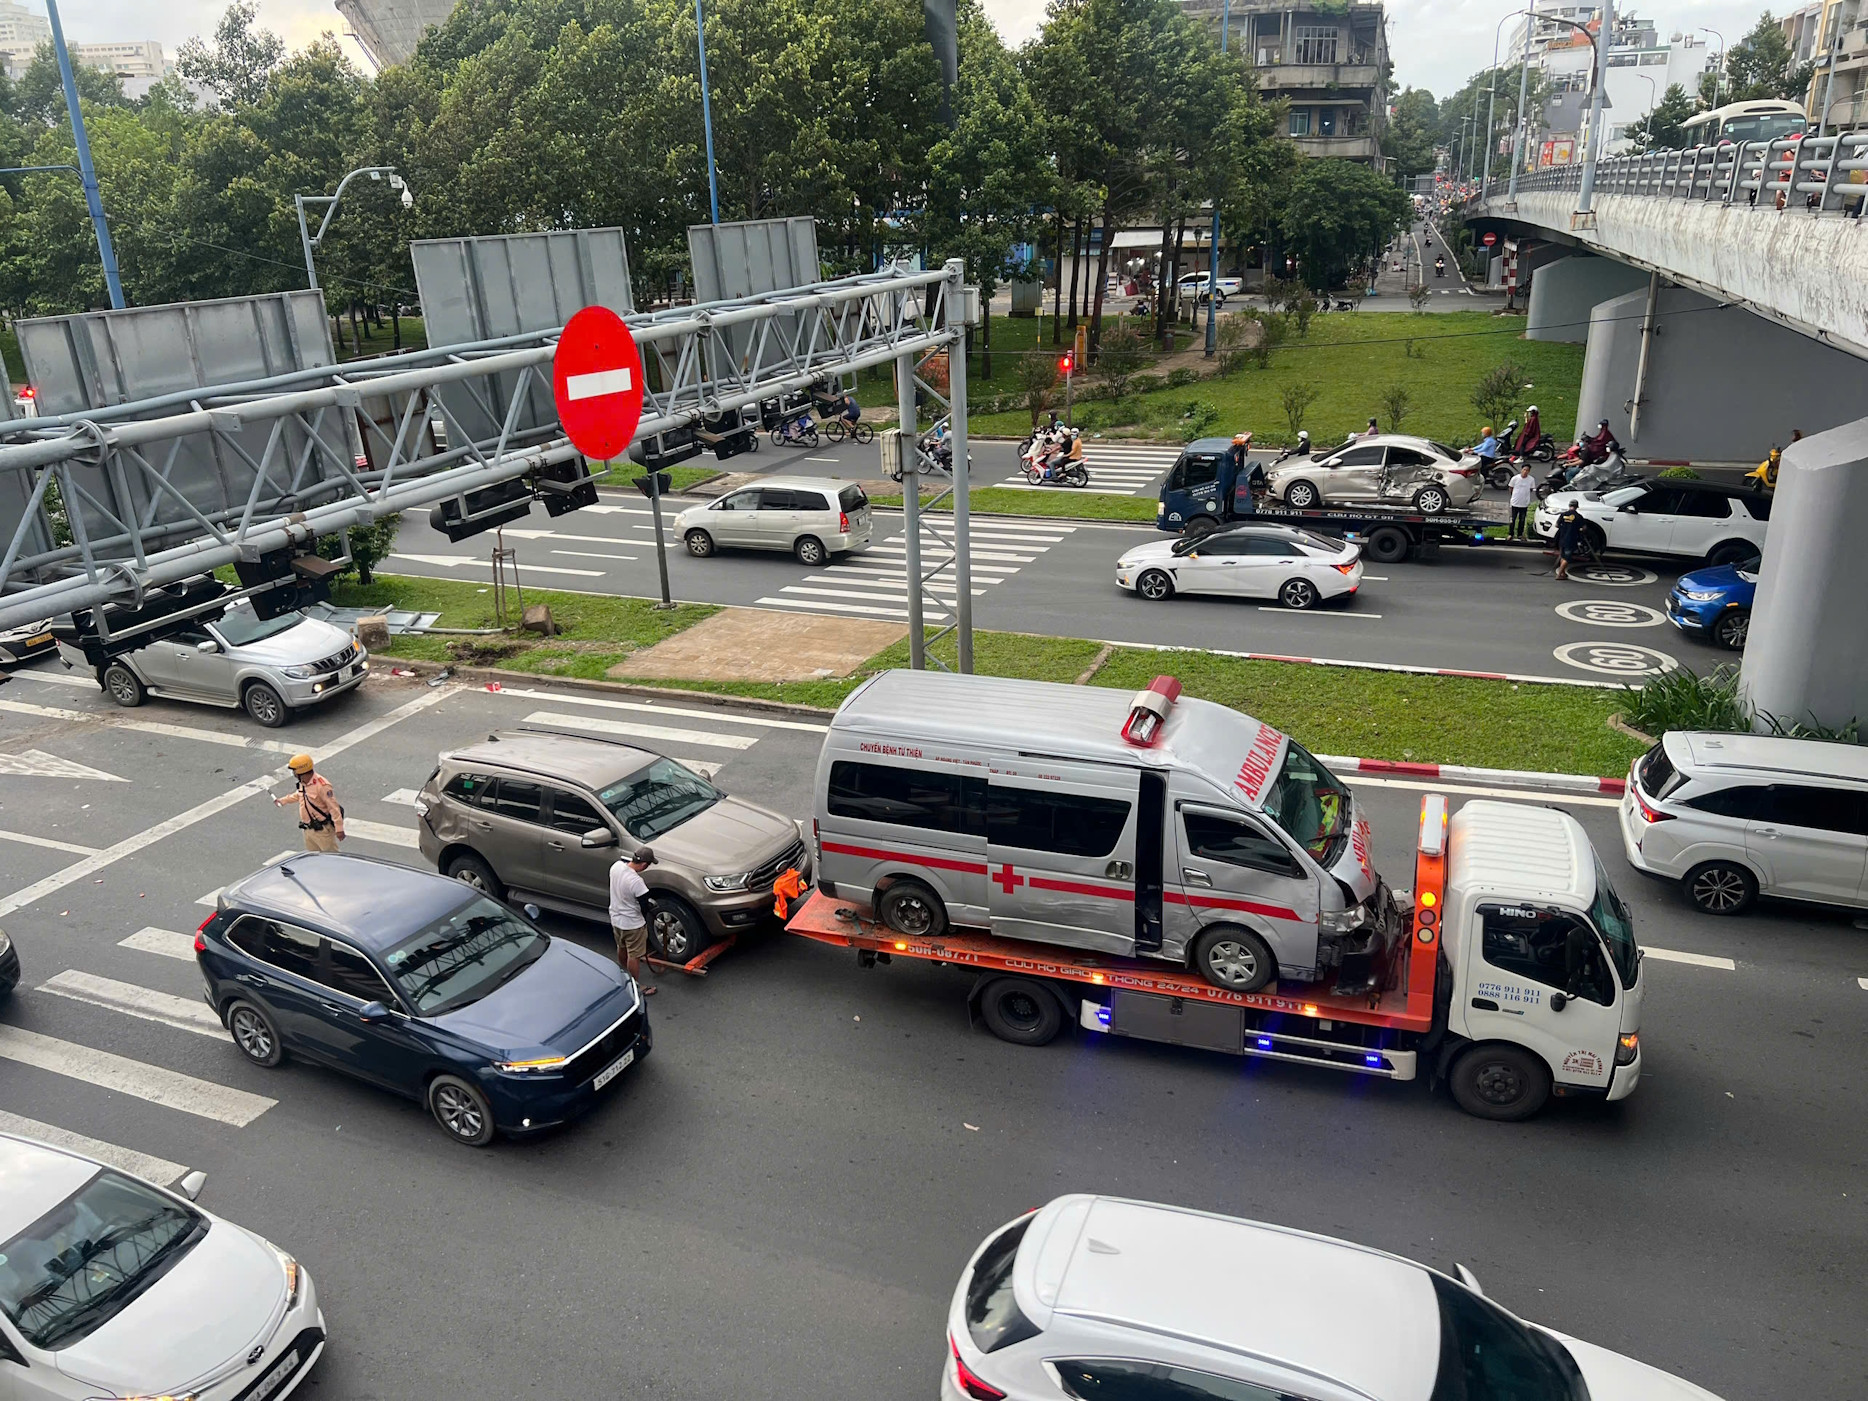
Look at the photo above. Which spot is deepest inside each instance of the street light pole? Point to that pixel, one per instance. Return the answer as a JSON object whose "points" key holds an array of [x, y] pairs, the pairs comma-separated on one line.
{"points": [[1520, 132], [1491, 103], [93, 197], [706, 107], [1212, 277], [302, 202], [1584, 214], [1718, 72]]}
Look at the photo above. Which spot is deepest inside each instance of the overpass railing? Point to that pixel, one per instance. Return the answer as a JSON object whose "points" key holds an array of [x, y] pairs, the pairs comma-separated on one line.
{"points": [[1821, 174]]}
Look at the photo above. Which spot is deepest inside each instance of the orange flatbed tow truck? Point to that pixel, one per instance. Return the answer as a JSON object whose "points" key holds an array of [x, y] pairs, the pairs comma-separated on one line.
{"points": [[1502, 1041]]}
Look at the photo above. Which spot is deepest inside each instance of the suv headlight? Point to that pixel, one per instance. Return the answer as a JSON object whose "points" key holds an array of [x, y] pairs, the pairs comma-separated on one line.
{"points": [[299, 673], [292, 1277], [725, 883]]}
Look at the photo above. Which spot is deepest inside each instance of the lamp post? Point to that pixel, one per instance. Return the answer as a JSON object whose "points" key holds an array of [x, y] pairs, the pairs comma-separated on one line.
{"points": [[93, 197], [1491, 102], [311, 240], [1519, 132], [1584, 215], [706, 107], [1212, 277], [1718, 71]]}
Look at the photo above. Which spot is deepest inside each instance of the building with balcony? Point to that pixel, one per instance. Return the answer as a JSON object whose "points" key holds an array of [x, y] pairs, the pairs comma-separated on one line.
{"points": [[1640, 70], [1331, 66], [1837, 99]]}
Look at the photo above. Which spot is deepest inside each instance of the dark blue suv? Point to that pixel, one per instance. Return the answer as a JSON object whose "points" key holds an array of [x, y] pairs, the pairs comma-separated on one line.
{"points": [[421, 985]]}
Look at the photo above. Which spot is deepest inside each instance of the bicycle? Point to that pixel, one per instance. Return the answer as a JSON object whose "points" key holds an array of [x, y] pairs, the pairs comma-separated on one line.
{"points": [[799, 432], [836, 430]]}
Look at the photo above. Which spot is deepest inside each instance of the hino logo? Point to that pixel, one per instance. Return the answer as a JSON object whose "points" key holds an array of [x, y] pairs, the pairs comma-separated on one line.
{"points": [[254, 1356]]}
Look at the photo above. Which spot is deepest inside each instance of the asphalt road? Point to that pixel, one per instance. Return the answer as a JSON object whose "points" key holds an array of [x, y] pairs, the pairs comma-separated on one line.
{"points": [[1490, 608], [777, 1203]]}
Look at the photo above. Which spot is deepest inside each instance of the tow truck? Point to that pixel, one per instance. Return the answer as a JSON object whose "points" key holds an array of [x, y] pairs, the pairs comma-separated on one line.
{"points": [[1388, 535], [1517, 980]]}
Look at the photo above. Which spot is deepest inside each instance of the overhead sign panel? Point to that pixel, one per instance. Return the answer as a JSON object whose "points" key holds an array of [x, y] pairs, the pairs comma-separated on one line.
{"points": [[747, 259]]}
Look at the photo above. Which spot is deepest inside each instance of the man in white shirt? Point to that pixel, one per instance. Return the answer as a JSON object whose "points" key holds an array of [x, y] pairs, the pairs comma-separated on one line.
{"points": [[628, 921], [1521, 490]]}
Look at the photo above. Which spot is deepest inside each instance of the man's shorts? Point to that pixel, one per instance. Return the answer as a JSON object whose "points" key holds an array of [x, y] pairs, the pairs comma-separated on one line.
{"points": [[631, 943]]}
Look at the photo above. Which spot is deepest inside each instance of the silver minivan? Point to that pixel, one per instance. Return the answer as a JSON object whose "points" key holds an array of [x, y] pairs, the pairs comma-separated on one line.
{"points": [[1151, 826], [268, 667], [810, 517]]}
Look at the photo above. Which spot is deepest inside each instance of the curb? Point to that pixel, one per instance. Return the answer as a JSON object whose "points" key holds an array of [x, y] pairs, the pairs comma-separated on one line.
{"points": [[1520, 778], [487, 677], [1515, 677]]}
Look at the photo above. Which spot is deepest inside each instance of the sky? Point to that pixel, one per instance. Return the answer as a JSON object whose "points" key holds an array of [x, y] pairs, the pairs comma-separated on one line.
{"points": [[1436, 44]]}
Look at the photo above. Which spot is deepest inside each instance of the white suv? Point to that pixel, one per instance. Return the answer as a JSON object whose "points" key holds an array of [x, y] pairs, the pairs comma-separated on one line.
{"points": [[1719, 524], [810, 517], [1097, 1297], [1733, 816]]}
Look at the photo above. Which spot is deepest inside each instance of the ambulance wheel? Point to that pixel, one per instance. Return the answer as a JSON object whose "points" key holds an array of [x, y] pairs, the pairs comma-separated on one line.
{"points": [[1234, 959], [1500, 1082], [1020, 1011], [909, 907]]}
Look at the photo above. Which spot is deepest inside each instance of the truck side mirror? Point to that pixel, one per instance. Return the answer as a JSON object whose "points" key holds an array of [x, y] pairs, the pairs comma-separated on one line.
{"points": [[1558, 1001]]}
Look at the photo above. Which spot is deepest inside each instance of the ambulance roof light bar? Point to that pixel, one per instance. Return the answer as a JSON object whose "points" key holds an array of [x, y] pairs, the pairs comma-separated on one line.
{"points": [[1148, 712]]}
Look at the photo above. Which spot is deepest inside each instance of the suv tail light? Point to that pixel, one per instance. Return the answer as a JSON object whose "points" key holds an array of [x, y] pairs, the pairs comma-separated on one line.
{"points": [[201, 929], [969, 1384], [1649, 813], [843, 522]]}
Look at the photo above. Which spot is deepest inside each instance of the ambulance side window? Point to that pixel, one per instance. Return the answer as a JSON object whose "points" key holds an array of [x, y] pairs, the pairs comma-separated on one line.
{"points": [[1547, 946], [1072, 824], [940, 802]]}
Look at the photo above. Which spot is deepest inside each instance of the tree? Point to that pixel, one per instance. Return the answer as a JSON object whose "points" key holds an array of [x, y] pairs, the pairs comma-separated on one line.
{"points": [[1758, 66], [1489, 94], [1338, 216], [1297, 399], [236, 65], [1396, 400], [1037, 376], [370, 545], [1413, 134], [1496, 393], [1122, 355], [1661, 129], [39, 95]]}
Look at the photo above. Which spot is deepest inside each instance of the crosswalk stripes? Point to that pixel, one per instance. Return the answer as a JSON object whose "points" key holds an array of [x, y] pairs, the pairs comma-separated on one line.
{"points": [[182, 1013], [151, 1083], [874, 582], [1118, 469], [147, 1166], [169, 943]]}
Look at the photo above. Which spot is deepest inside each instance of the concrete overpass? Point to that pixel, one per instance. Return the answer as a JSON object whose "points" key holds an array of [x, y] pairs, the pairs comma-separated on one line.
{"points": [[1722, 295]]}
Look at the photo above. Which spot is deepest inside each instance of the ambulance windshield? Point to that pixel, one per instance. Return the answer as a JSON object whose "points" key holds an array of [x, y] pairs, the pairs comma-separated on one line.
{"points": [[1308, 802]]}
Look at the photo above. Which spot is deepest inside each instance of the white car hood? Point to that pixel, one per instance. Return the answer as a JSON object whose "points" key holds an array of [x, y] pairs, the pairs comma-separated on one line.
{"points": [[1559, 501], [311, 641], [1154, 552], [1612, 1377], [220, 1299]]}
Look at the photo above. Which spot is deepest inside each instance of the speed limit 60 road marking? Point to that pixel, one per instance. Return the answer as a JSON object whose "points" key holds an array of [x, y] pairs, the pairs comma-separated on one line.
{"points": [[1622, 659], [1610, 613], [1620, 576]]}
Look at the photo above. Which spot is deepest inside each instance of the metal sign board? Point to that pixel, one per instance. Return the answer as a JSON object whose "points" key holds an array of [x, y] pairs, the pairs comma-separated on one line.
{"points": [[597, 383], [499, 285], [84, 363], [749, 258]]}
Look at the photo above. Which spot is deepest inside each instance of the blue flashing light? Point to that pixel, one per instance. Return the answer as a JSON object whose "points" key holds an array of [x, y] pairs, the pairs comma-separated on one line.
{"points": [[1264, 1043], [1371, 1058], [1102, 1015]]}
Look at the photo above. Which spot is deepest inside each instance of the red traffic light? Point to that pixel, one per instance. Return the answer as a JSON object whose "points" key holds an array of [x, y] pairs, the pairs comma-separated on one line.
{"points": [[1065, 364]]}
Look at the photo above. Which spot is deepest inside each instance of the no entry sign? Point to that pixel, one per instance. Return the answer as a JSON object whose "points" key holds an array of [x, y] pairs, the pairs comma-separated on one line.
{"points": [[1489, 239], [596, 377]]}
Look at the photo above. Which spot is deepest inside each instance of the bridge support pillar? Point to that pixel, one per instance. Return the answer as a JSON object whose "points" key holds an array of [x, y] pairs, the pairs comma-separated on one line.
{"points": [[1566, 286], [1807, 656], [1722, 385]]}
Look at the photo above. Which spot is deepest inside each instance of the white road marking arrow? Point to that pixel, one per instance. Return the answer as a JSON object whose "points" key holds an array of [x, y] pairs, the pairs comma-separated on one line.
{"points": [[36, 763]]}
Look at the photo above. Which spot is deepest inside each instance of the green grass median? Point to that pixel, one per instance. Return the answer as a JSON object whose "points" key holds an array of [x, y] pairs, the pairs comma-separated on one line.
{"points": [[1060, 504], [1333, 710]]}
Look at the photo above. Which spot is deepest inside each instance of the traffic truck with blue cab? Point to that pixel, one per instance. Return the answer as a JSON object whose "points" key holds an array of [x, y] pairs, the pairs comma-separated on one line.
{"points": [[1510, 972], [1192, 502]]}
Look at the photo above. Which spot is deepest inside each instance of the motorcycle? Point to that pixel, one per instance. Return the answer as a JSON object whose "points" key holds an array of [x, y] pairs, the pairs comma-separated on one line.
{"points": [[1439, 267], [1047, 463], [1594, 476], [799, 432]]}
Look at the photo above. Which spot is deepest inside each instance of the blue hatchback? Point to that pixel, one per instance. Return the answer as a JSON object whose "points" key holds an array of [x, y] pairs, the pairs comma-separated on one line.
{"points": [[1715, 603], [423, 986]]}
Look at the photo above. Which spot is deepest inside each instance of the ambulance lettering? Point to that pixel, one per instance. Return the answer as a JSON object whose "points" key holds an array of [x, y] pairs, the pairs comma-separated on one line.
{"points": [[1256, 770], [1359, 844]]}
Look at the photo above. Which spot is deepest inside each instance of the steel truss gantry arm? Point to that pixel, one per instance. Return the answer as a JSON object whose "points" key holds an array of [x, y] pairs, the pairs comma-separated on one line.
{"points": [[101, 506]]}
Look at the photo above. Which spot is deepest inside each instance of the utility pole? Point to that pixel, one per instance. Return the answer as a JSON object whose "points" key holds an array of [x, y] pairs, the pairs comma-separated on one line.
{"points": [[93, 197], [1520, 132], [706, 107], [1212, 280], [1585, 216]]}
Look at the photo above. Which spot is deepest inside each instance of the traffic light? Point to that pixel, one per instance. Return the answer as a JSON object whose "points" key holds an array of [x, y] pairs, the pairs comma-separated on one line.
{"points": [[654, 484], [1066, 363]]}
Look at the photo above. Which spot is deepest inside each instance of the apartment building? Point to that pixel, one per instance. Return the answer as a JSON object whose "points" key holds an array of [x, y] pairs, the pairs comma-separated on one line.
{"points": [[1837, 99], [21, 32], [1330, 65], [1641, 67]]}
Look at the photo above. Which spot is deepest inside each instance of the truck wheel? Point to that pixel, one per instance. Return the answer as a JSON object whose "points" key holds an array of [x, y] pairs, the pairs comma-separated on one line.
{"points": [[1198, 528], [1500, 1082], [909, 907], [1302, 496], [1234, 959], [122, 686], [1387, 545], [676, 932], [1020, 1011], [1721, 888]]}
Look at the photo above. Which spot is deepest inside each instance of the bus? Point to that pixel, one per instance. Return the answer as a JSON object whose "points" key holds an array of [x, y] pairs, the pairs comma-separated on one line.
{"points": [[1738, 122]]}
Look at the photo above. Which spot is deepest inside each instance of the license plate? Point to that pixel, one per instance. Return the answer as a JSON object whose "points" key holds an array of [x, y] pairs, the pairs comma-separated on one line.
{"points": [[277, 1377], [41, 640], [616, 1068]]}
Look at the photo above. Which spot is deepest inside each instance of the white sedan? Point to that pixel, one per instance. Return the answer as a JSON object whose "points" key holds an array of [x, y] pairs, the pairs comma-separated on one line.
{"points": [[1295, 567], [112, 1287]]}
